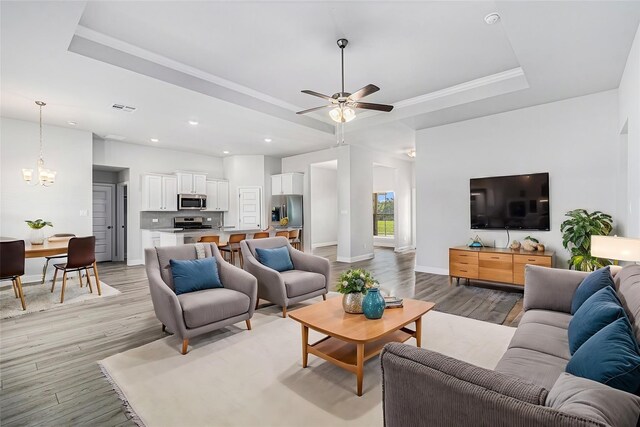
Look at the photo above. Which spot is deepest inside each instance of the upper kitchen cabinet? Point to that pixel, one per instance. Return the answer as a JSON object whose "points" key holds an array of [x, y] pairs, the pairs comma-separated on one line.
{"points": [[287, 184], [159, 193], [217, 195], [192, 183]]}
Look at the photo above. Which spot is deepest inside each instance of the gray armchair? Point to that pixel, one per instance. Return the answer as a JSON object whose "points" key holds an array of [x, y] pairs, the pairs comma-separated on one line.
{"points": [[196, 313], [309, 278]]}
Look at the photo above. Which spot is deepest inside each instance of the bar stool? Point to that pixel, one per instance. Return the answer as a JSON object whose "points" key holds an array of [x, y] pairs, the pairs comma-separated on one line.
{"points": [[294, 239], [233, 247], [55, 238], [210, 239], [81, 256], [12, 266], [261, 235], [282, 233]]}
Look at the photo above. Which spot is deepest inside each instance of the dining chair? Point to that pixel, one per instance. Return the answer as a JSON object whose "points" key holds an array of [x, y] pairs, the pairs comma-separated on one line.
{"points": [[81, 256], [233, 247], [210, 239], [12, 266], [56, 237], [261, 235], [282, 233], [294, 239]]}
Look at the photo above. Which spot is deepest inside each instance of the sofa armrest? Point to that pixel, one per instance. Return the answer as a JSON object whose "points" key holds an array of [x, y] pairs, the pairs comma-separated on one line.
{"points": [[313, 263], [421, 387], [550, 288], [238, 280]]}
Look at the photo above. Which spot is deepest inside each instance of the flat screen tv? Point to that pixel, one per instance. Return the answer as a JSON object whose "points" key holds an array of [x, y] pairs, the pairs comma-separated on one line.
{"points": [[516, 202]]}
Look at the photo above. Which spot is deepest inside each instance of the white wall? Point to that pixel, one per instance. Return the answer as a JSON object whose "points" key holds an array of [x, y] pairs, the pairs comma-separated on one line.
{"points": [[324, 206], [141, 160], [383, 179], [67, 203], [575, 140], [629, 142]]}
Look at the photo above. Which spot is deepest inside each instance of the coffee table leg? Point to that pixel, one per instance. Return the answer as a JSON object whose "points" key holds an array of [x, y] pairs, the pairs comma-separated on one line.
{"points": [[305, 342], [360, 366], [419, 332]]}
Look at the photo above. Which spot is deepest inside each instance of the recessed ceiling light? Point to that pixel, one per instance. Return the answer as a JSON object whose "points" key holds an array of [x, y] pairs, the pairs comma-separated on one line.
{"points": [[154, 140], [72, 123], [492, 18], [267, 140], [193, 122], [225, 152]]}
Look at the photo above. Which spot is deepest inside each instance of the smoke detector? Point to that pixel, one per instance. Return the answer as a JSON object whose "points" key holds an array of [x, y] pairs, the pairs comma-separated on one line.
{"points": [[492, 18]]}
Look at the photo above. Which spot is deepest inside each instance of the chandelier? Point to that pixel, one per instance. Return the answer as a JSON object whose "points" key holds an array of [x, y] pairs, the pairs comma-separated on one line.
{"points": [[46, 177]]}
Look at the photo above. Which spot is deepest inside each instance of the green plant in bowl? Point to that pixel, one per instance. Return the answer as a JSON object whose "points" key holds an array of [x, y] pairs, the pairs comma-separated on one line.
{"points": [[37, 224]]}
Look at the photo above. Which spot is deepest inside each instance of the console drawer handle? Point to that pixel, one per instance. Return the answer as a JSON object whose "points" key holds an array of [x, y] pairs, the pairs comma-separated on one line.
{"points": [[464, 271], [495, 257], [529, 259]]}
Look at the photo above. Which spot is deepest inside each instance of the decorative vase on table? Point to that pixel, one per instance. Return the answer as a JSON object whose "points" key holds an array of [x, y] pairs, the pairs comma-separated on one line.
{"points": [[373, 304], [352, 302], [36, 236], [353, 285]]}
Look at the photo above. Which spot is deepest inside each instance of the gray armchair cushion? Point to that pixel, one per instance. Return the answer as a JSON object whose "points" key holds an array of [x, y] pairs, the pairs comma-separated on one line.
{"points": [[299, 282], [212, 305], [532, 366], [543, 338], [550, 288], [586, 398]]}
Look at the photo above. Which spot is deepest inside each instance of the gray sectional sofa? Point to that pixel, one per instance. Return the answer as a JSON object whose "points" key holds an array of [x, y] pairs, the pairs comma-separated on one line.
{"points": [[526, 388]]}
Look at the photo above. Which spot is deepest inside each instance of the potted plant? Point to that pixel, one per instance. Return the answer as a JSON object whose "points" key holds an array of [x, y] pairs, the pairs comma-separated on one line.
{"points": [[353, 284], [576, 237], [37, 236]]}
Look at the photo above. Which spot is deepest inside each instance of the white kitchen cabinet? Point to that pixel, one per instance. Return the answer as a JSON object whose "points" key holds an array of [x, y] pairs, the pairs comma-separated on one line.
{"points": [[287, 184], [192, 183], [159, 193], [217, 195], [150, 239]]}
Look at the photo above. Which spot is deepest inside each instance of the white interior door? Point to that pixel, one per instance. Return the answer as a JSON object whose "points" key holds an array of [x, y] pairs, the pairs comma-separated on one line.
{"points": [[103, 221], [250, 208]]}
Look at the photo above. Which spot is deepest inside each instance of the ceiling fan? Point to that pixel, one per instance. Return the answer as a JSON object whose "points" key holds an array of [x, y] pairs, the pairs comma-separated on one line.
{"points": [[343, 102]]}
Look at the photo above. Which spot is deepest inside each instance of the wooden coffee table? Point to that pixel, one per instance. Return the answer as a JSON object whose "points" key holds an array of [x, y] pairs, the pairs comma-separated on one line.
{"points": [[352, 339]]}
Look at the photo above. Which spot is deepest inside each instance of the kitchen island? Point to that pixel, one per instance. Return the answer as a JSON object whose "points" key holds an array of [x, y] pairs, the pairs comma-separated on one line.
{"points": [[180, 236]]}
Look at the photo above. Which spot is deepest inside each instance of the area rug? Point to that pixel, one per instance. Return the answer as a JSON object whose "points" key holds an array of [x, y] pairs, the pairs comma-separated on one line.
{"points": [[237, 377], [38, 297]]}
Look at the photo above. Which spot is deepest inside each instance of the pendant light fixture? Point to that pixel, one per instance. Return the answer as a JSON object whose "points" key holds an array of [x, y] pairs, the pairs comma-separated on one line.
{"points": [[46, 177]]}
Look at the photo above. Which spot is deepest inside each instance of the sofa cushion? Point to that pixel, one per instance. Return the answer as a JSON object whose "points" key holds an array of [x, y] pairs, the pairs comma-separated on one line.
{"points": [[627, 283], [298, 282], [532, 366], [585, 398], [212, 305], [543, 338], [192, 275], [546, 317], [610, 357], [590, 285], [275, 258], [598, 311]]}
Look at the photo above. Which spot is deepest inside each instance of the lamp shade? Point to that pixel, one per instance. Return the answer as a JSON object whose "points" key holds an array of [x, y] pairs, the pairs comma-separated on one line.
{"points": [[617, 248]]}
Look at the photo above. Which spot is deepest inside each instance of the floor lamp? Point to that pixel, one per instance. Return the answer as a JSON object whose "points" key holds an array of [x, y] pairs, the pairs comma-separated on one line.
{"points": [[615, 248]]}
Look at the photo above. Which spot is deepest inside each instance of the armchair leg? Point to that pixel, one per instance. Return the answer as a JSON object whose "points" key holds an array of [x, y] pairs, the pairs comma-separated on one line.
{"points": [[20, 292], [185, 344], [95, 274], [257, 302], [248, 322], [284, 312], [324, 297]]}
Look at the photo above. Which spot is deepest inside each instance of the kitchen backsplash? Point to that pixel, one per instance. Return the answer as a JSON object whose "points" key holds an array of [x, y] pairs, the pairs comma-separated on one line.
{"points": [[165, 219]]}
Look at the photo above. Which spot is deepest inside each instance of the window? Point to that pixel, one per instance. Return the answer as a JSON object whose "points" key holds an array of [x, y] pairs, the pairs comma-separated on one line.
{"points": [[383, 223]]}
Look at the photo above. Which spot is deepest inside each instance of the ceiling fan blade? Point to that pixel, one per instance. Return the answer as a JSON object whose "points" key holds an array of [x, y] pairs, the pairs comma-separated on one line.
{"points": [[370, 106], [365, 91], [314, 109], [319, 95]]}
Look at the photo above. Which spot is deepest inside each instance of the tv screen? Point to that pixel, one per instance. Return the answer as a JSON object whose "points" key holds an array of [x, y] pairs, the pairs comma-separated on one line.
{"points": [[518, 202]]}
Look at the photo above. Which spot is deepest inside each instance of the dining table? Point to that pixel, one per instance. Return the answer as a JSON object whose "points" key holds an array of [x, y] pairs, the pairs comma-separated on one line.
{"points": [[51, 247]]}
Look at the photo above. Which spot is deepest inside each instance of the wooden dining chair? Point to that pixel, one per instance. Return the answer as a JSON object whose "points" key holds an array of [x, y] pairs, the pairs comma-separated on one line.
{"points": [[261, 235], [210, 239], [294, 239], [55, 238], [81, 255], [282, 233], [233, 247], [12, 266]]}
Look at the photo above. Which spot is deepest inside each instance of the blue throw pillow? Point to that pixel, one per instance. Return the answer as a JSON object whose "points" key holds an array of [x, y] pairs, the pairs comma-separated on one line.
{"points": [[590, 285], [609, 357], [598, 311], [276, 258], [192, 275]]}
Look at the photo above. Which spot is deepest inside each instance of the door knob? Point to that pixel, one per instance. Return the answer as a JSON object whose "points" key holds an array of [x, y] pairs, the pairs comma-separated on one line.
{"points": [[108, 227]]}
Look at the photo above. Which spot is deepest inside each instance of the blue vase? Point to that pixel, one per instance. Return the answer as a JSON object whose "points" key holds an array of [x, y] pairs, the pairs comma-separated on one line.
{"points": [[373, 304]]}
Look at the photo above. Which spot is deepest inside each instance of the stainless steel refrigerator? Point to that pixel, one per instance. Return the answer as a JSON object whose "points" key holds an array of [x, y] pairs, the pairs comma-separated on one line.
{"points": [[287, 206]]}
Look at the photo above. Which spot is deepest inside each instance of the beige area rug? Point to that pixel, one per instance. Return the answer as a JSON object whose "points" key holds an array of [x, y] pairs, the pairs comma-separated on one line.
{"points": [[38, 297], [254, 378]]}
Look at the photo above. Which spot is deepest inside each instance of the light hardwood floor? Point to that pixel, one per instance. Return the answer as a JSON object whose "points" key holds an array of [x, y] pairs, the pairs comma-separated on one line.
{"points": [[48, 370]]}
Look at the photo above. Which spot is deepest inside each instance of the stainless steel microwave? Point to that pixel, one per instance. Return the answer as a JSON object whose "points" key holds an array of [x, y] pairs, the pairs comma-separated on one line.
{"points": [[196, 202]]}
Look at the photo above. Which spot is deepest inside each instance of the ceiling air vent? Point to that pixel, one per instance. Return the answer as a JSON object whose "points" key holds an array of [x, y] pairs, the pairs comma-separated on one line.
{"points": [[125, 108]]}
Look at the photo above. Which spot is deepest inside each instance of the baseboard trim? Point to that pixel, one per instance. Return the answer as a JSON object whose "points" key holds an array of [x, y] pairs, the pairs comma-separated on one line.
{"points": [[355, 258], [135, 262], [323, 244], [432, 270]]}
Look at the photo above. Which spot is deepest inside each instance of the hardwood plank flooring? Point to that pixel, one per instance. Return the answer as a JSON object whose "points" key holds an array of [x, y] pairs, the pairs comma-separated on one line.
{"points": [[48, 370]]}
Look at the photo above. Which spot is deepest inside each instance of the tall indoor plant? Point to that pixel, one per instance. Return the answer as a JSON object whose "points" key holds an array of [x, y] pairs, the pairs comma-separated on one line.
{"points": [[353, 284], [576, 237]]}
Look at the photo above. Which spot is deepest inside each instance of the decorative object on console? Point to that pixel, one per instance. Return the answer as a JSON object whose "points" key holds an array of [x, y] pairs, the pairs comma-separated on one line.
{"points": [[373, 304], [530, 244], [515, 245], [46, 177], [284, 221], [615, 248], [475, 242], [576, 237], [37, 236], [353, 284]]}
